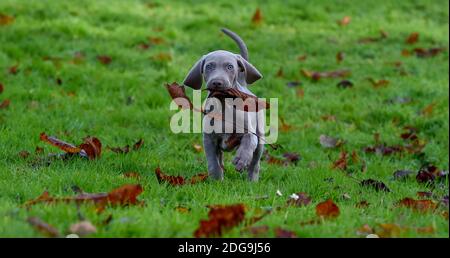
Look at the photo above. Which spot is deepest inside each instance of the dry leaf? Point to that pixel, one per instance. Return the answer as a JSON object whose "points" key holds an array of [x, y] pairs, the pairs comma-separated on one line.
{"points": [[5, 103], [257, 17], [104, 59], [220, 219], [6, 19], [412, 38], [43, 227], [327, 209]]}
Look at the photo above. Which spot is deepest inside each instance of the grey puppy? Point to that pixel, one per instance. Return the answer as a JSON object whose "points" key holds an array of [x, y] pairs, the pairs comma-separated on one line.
{"points": [[222, 70]]}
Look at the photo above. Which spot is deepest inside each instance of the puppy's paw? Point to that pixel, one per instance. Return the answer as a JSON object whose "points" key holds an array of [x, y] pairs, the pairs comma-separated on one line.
{"points": [[242, 160]]}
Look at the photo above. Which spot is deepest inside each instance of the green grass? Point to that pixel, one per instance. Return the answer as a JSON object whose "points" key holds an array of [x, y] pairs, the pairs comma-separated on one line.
{"points": [[92, 100]]}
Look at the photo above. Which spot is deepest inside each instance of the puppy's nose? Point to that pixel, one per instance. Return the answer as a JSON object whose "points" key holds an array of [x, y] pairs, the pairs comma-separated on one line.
{"points": [[217, 83]]}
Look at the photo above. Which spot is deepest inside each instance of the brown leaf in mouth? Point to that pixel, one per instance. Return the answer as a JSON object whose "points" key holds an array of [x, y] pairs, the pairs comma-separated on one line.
{"points": [[251, 103]]}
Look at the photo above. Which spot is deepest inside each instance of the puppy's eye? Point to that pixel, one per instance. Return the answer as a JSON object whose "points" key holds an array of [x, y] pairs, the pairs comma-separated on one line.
{"points": [[209, 67], [230, 67]]}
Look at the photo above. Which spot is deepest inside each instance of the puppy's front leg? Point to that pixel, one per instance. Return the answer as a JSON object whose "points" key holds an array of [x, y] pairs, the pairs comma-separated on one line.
{"points": [[212, 153], [245, 151]]}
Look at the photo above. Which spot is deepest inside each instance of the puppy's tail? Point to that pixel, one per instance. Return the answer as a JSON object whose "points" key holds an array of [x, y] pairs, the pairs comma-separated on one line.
{"points": [[239, 41]]}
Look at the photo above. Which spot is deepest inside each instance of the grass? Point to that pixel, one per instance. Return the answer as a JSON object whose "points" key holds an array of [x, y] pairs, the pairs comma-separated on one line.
{"points": [[125, 100]]}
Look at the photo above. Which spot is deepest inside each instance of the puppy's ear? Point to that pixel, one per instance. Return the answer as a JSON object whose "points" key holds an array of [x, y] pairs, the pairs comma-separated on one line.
{"points": [[194, 78], [251, 73]]}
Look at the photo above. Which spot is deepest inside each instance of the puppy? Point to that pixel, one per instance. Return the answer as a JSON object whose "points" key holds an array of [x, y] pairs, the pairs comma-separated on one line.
{"points": [[222, 70]]}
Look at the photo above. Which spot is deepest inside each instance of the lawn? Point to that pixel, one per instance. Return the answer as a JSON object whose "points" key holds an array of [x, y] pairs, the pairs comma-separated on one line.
{"points": [[51, 73]]}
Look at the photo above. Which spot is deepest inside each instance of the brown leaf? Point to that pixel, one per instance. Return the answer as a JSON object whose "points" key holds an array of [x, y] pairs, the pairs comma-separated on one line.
{"points": [[162, 57], [178, 95], [257, 17], [412, 38], [366, 40], [1, 88], [138, 144], [121, 150], [341, 163], [67, 147], [24, 154], [125, 195], [299, 199], [43, 227], [344, 21], [251, 103], [178, 180], [13, 69], [302, 58], [91, 148], [283, 233], [83, 228], [327, 209], [378, 83], [330, 142], [197, 147], [284, 126], [198, 178], [143, 46], [6, 19], [156, 40], [418, 205], [5, 103], [220, 219], [428, 110], [424, 53], [389, 230], [319, 75], [340, 57], [39, 150], [104, 59], [362, 204], [280, 73], [377, 185]]}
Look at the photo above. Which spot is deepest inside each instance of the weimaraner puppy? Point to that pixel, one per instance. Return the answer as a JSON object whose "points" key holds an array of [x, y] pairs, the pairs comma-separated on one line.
{"points": [[222, 70]]}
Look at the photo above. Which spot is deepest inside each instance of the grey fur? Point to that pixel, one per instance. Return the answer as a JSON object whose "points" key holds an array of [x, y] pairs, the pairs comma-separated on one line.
{"points": [[221, 70]]}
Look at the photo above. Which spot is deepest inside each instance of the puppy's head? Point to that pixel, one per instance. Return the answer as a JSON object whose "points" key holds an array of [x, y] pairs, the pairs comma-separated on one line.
{"points": [[220, 70]]}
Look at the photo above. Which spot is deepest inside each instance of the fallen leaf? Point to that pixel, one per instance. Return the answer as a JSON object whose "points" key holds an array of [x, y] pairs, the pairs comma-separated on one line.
{"points": [[5, 103], [1, 88], [424, 53], [302, 58], [120, 150], [284, 126], [384, 150], [344, 21], [156, 40], [428, 110], [389, 230], [412, 38], [319, 75], [362, 204], [178, 180], [197, 147], [143, 46], [327, 209], [83, 228], [283, 233], [104, 59], [138, 144], [426, 230], [91, 148], [345, 84], [66, 147], [418, 205], [378, 83], [24, 154], [220, 219], [383, 35], [43, 227], [340, 57], [257, 231], [299, 199], [257, 17], [341, 162], [280, 73], [6, 19], [330, 142], [377, 185], [162, 57]]}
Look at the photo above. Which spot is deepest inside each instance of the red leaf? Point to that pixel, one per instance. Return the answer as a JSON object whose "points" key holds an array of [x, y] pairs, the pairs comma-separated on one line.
{"points": [[179, 180], [257, 17], [132, 175], [1, 87], [319, 75], [379, 83], [327, 209], [24, 154], [5, 103], [431, 52], [92, 147], [67, 147], [104, 59], [156, 40], [283, 233], [198, 178], [125, 195], [138, 144], [220, 219], [341, 163], [418, 205], [178, 94], [412, 38]]}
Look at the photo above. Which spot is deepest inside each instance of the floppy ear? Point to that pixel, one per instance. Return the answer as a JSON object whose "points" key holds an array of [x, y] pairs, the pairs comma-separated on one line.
{"points": [[194, 78], [251, 73]]}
